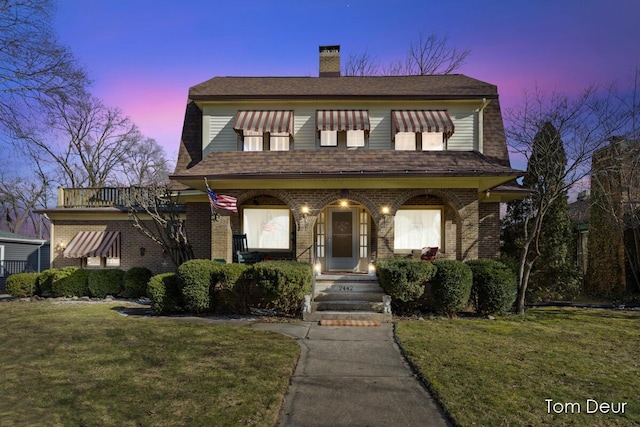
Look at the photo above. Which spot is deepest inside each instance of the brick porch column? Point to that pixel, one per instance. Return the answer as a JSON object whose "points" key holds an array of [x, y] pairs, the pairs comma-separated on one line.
{"points": [[385, 237], [304, 239], [221, 238]]}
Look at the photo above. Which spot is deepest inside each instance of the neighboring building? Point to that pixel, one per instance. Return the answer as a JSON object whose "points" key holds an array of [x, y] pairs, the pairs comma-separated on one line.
{"points": [[614, 220], [337, 170], [20, 254], [579, 214]]}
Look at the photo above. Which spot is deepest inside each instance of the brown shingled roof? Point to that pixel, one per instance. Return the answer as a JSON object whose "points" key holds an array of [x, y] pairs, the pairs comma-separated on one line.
{"points": [[337, 163], [450, 86]]}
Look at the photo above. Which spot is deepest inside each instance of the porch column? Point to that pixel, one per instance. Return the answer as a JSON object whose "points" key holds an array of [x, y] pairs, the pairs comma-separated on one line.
{"points": [[221, 239], [470, 230], [385, 237], [304, 239]]}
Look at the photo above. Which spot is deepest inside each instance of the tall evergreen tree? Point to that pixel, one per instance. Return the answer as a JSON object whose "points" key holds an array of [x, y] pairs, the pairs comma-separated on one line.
{"points": [[550, 255]]}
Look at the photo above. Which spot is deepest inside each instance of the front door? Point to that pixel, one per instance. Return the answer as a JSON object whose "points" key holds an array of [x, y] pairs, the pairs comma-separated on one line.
{"points": [[342, 239]]}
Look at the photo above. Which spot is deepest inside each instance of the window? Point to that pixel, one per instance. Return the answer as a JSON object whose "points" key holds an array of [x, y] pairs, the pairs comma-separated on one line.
{"points": [[94, 261], [267, 228], [1, 261], [355, 138], [417, 228], [100, 262], [279, 142], [252, 141], [406, 141], [328, 138], [432, 141]]}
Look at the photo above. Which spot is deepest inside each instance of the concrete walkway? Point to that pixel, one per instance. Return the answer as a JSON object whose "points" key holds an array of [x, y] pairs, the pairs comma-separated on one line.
{"points": [[353, 376]]}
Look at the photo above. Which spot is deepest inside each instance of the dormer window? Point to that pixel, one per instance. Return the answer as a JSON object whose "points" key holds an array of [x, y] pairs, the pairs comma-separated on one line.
{"points": [[343, 128], [260, 130], [421, 130]]}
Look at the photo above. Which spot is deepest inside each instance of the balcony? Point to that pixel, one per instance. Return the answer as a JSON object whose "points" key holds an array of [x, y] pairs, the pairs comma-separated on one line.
{"points": [[104, 197]]}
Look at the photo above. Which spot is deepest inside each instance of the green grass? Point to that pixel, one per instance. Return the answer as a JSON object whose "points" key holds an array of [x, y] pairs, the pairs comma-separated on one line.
{"points": [[86, 365], [499, 373]]}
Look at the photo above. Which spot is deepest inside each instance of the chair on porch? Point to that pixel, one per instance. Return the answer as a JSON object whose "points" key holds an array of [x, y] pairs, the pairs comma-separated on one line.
{"points": [[241, 253], [429, 254]]}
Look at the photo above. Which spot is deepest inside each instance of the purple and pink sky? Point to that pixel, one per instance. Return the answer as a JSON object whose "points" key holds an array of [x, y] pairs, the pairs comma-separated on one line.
{"points": [[143, 55]]}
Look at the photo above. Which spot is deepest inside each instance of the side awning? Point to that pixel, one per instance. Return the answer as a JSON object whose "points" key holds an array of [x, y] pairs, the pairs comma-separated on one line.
{"points": [[342, 120], [94, 244], [273, 121], [423, 121]]}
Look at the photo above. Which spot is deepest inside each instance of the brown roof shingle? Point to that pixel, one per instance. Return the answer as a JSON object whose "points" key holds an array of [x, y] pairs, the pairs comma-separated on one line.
{"points": [[450, 86]]}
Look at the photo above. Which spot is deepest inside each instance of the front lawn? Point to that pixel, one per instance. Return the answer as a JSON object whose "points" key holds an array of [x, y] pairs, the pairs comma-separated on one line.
{"points": [[87, 365], [501, 372]]}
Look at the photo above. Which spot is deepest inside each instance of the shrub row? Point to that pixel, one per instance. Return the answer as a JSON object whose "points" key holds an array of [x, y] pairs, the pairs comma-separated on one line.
{"points": [[447, 286], [74, 281]]}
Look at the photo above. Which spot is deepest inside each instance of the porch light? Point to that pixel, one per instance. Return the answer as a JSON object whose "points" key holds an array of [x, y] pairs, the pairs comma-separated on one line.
{"points": [[305, 211], [317, 268], [344, 203], [385, 211], [62, 245], [372, 269]]}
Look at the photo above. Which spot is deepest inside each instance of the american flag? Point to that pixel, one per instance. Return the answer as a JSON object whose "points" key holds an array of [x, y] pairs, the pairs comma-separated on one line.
{"points": [[220, 201]]}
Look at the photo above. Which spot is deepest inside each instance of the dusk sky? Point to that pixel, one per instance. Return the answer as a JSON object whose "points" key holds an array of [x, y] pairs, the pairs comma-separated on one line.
{"points": [[144, 55]]}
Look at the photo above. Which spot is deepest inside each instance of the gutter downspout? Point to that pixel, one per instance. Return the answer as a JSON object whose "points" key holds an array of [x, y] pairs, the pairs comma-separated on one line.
{"points": [[480, 112]]}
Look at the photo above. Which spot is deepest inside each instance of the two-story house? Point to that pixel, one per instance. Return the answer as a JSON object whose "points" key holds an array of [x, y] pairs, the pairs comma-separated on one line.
{"points": [[342, 170]]}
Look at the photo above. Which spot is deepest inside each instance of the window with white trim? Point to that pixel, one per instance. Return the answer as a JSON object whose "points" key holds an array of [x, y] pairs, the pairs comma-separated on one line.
{"points": [[406, 141], [267, 228], [279, 141], [432, 141], [328, 138], [355, 138], [1, 260], [417, 228], [252, 140]]}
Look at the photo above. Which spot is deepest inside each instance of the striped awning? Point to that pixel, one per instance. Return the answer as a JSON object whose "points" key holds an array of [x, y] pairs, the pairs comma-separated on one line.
{"points": [[342, 120], [422, 121], [94, 244], [274, 121]]}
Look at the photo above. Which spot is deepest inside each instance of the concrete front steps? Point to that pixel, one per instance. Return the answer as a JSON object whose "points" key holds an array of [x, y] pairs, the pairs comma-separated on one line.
{"points": [[347, 297]]}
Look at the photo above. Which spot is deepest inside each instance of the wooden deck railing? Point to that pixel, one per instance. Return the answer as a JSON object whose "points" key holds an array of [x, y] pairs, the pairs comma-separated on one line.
{"points": [[102, 197]]}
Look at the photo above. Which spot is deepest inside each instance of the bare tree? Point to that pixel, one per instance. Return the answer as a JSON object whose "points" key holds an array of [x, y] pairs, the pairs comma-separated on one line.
{"points": [[158, 214], [145, 164], [582, 127], [35, 66], [360, 64]]}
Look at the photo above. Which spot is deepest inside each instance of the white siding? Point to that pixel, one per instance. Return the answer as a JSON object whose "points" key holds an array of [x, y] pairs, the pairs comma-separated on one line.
{"points": [[218, 134]]}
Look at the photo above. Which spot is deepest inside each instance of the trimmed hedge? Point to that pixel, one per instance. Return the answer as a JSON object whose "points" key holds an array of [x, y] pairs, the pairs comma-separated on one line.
{"points": [[135, 281], [105, 282], [451, 286], [283, 283], [404, 279], [164, 292], [230, 286], [21, 285], [44, 283], [70, 282], [494, 287], [195, 284]]}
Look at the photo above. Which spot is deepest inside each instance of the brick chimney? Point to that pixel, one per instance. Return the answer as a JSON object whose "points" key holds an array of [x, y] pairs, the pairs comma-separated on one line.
{"points": [[330, 61]]}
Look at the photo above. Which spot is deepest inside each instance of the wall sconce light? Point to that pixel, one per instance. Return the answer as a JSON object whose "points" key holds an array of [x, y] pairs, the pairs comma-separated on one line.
{"points": [[317, 268], [305, 213], [344, 203], [61, 245], [143, 250], [386, 211], [487, 194]]}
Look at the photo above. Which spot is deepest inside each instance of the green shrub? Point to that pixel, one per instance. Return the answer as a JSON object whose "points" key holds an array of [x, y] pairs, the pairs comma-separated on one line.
{"points": [[135, 281], [44, 282], [283, 283], [554, 283], [105, 282], [70, 282], [21, 285], [164, 292], [494, 287], [404, 279], [231, 288], [195, 283], [451, 286]]}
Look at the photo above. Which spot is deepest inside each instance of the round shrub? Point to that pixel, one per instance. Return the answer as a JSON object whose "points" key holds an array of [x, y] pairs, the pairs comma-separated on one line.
{"points": [[494, 287], [135, 281], [404, 279], [195, 283], [105, 282], [164, 292], [44, 282], [21, 285], [231, 288], [70, 282], [283, 283], [451, 286]]}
